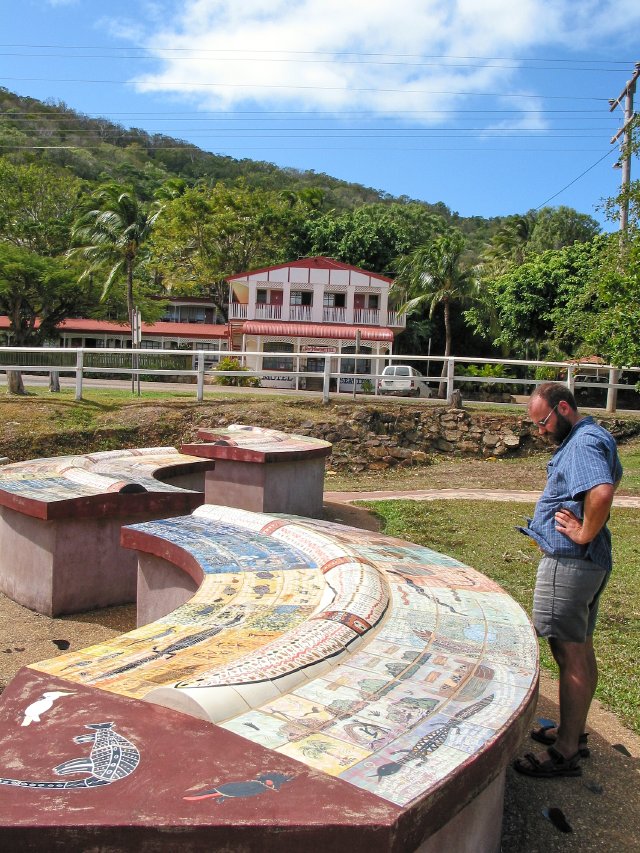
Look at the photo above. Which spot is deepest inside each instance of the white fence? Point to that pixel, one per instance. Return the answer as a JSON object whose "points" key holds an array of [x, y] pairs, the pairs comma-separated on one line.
{"points": [[516, 375]]}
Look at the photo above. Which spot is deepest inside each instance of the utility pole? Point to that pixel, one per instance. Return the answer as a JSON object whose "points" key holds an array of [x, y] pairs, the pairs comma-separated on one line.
{"points": [[625, 147]]}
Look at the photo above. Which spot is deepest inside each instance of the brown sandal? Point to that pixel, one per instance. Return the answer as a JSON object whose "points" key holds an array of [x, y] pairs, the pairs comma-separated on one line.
{"points": [[555, 766], [540, 735]]}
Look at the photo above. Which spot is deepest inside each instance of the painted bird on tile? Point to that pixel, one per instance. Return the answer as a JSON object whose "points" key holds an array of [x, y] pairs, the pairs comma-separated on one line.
{"points": [[429, 743], [242, 790], [34, 711]]}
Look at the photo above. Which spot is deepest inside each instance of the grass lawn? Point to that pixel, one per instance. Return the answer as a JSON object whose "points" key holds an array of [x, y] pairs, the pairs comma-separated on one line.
{"points": [[446, 472], [483, 536]]}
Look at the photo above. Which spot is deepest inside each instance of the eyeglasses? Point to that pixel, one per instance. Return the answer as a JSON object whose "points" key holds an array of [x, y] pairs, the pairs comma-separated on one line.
{"points": [[545, 420]]}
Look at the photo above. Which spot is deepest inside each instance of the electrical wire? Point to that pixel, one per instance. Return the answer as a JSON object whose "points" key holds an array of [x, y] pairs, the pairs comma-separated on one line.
{"points": [[575, 180]]}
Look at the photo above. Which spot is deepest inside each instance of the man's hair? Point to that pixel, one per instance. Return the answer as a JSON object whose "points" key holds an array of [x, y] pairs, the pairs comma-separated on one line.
{"points": [[554, 393]]}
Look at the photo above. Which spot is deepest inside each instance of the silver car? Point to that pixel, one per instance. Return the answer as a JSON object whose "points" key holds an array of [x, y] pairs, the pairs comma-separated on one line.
{"points": [[403, 381]]}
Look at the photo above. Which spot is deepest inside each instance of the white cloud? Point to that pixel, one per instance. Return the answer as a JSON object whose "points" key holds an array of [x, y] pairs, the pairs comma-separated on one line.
{"points": [[310, 54]]}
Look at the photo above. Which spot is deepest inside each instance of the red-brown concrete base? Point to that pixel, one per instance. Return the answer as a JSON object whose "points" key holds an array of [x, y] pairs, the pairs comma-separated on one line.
{"points": [[162, 782], [289, 487]]}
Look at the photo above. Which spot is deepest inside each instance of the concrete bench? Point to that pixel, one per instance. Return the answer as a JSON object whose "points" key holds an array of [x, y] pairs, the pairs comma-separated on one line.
{"points": [[331, 688], [263, 470], [60, 523]]}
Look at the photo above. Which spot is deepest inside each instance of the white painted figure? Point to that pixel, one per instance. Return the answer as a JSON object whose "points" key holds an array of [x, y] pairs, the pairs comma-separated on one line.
{"points": [[33, 712]]}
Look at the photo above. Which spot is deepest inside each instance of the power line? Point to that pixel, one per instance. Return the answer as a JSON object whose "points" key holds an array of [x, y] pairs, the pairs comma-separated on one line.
{"points": [[571, 183], [475, 150], [332, 54], [249, 56], [168, 83], [220, 114]]}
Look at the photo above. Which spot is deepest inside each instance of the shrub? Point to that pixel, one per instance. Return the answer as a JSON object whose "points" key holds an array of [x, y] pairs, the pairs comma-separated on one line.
{"points": [[230, 363]]}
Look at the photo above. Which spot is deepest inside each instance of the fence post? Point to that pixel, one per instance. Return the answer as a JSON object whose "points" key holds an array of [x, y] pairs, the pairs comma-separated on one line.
{"points": [[326, 378], [571, 378], [612, 393], [200, 369], [79, 366], [450, 375]]}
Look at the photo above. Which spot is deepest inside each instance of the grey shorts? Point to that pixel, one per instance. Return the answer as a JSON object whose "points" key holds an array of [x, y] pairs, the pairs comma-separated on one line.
{"points": [[565, 601]]}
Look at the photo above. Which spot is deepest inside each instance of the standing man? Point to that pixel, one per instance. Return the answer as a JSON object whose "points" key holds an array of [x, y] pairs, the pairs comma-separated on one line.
{"points": [[569, 526]]}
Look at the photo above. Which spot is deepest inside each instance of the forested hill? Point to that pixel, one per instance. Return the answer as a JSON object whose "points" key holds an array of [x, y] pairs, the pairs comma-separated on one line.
{"points": [[99, 150]]}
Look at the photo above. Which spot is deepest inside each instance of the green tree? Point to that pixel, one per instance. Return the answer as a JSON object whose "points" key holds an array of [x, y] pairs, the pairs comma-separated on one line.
{"points": [[208, 233], [557, 227], [36, 294], [433, 275], [110, 235], [371, 236], [510, 244], [532, 301], [37, 206]]}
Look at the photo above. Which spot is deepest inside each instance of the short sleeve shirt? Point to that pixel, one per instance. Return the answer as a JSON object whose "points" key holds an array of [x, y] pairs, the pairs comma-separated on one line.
{"points": [[586, 458]]}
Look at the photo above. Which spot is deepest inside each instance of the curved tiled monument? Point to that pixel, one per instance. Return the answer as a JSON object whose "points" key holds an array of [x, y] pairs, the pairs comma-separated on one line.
{"points": [[60, 521], [293, 684]]}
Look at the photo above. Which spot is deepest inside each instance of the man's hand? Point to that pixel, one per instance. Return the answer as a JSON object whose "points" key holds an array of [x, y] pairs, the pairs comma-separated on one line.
{"points": [[569, 524], [597, 505]]}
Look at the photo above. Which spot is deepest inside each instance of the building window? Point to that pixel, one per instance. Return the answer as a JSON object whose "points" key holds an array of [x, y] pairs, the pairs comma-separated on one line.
{"points": [[301, 297], [148, 344], [334, 300], [350, 365], [277, 362], [374, 301], [261, 297]]}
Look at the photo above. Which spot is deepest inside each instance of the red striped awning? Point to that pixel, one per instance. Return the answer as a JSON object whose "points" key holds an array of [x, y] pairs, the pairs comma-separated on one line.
{"points": [[331, 331]]}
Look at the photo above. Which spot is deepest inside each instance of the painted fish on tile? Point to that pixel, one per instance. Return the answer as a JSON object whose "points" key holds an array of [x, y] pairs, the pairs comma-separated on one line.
{"points": [[111, 759]]}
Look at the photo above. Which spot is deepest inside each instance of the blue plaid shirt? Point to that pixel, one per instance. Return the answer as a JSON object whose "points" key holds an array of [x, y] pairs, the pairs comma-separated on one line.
{"points": [[586, 458]]}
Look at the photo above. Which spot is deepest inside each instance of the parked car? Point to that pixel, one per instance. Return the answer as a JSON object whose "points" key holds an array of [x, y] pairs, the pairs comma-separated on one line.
{"points": [[403, 381]]}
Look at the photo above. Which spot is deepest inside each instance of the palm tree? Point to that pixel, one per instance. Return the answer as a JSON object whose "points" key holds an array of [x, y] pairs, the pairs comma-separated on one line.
{"points": [[511, 242], [433, 275], [111, 233]]}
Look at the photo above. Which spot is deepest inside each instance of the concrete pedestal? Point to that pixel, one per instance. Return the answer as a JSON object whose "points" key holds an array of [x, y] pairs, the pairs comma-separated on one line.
{"points": [[289, 487]]}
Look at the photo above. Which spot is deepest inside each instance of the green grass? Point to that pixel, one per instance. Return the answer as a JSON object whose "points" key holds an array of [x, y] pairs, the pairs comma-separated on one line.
{"points": [[482, 535]]}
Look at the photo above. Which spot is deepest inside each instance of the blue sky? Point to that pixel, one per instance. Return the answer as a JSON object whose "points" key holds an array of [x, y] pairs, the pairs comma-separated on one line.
{"points": [[490, 106]]}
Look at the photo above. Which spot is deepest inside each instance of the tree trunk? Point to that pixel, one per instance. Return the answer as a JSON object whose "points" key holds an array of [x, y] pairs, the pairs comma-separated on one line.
{"points": [[54, 381], [14, 382], [442, 388]]}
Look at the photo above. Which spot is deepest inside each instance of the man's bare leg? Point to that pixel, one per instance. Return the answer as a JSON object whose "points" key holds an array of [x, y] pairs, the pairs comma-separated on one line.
{"points": [[578, 681]]}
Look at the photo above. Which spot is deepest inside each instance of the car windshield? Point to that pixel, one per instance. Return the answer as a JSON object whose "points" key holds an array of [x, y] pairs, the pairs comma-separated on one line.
{"points": [[403, 371]]}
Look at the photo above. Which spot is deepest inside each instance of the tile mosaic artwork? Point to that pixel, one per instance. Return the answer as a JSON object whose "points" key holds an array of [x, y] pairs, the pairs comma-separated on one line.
{"points": [[261, 439], [66, 477], [378, 662]]}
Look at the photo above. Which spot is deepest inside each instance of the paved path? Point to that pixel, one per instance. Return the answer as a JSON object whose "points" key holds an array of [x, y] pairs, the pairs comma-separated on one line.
{"points": [[458, 495]]}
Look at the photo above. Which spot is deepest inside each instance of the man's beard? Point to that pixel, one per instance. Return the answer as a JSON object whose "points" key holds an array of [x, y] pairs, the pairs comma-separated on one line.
{"points": [[562, 428]]}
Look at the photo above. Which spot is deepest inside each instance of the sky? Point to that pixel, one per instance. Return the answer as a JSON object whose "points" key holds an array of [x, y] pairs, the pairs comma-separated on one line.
{"points": [[490, 106]]}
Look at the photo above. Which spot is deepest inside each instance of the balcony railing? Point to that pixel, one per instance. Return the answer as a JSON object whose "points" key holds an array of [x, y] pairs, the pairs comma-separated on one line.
{"points": [[268, 312], [300, 313], [367, 316], [238, 311], [334, 315], [396, 321]]}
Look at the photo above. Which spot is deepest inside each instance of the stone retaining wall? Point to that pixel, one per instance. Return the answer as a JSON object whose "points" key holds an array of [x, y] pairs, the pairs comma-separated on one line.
{"points": [[375, 438]]}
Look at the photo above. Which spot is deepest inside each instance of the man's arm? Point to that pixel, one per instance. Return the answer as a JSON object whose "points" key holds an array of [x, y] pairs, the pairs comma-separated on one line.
{"points": [[597, 506]]}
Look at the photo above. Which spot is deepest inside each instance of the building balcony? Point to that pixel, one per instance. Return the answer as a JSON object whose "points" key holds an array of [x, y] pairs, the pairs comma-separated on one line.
{"points": [[334, 315], [366, 316], [300, 313], [238, 311], [307, 314], [268, 312], [396, 321]]}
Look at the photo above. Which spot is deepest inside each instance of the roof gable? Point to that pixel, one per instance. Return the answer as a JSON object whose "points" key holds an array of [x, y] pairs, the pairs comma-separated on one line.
{"points": [[313, 263]]}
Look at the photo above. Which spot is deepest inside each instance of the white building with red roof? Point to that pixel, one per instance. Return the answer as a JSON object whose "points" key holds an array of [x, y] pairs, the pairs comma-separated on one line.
{"points": [[302, 310]]}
